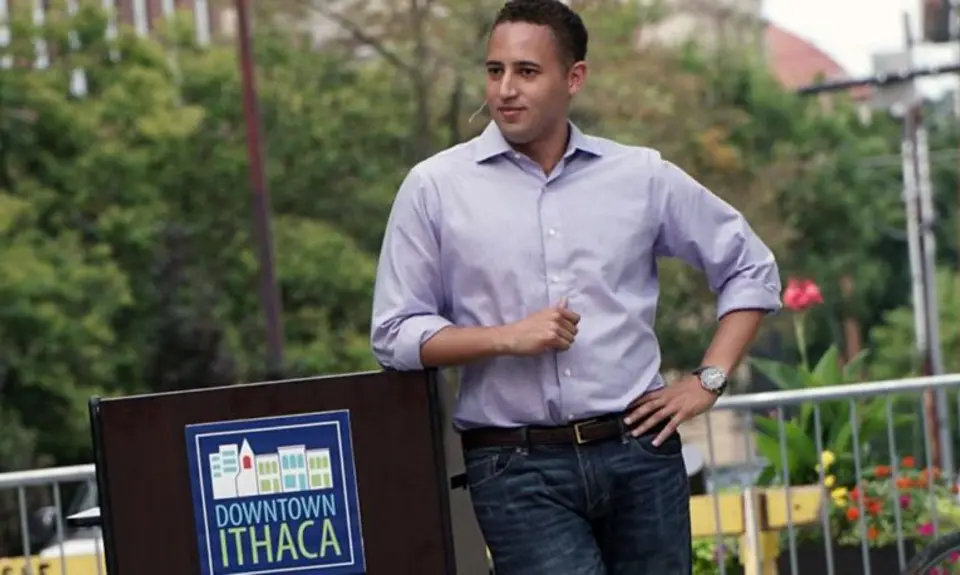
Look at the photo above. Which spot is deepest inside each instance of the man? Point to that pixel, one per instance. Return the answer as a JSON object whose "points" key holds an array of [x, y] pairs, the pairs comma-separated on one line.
{"points": [[527, 258]]}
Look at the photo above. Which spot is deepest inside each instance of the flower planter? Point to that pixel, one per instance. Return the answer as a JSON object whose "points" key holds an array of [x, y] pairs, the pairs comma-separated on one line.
{"points": [[847, 559]]}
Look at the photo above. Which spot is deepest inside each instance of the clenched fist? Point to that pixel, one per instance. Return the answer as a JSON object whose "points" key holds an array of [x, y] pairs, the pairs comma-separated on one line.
{"points": [[551, 328]]}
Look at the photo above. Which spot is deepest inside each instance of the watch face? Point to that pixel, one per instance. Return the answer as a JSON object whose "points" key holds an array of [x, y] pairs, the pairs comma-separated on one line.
{"points": [[713, 379]]}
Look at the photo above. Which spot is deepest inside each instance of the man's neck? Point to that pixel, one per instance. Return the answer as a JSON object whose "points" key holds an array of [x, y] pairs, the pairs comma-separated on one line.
{"points": [[548, 151]]}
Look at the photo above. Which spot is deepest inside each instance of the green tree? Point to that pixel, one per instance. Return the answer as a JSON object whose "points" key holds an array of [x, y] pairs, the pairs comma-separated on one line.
{"points": [[893, 341], [139, 190], [127, 221]]}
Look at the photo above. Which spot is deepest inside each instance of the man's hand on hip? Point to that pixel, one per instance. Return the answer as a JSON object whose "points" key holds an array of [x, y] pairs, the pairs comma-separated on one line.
{"points": [[678, 402], [550, 328]]}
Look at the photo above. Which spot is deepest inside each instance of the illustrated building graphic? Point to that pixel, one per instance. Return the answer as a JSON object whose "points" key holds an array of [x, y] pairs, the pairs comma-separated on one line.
{"points": [[268, 473], [236, 471], [319, 469]]}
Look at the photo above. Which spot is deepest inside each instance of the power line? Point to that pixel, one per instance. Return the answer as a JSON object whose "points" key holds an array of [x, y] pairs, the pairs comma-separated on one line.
{"points": [[886, 79], [942, 155]]}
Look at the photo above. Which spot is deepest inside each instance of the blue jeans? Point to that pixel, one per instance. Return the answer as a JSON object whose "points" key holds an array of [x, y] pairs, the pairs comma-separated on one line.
{"points": [[614, 507]]}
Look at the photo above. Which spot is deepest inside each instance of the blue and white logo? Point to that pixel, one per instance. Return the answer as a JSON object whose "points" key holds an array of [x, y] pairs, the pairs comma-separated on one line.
{"points": [[276, 495]]}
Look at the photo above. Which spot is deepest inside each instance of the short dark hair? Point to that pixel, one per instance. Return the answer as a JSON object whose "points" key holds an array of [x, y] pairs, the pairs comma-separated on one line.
{"points": [[567, 26]]}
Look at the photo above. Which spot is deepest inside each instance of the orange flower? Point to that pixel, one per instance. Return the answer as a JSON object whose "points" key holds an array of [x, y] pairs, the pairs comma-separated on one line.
{"points": [[874, 507], [855, 494], [904, 483], [853, 514], [909, 462], [954, 489], [925, 474], [872, 533], [881, 471]]}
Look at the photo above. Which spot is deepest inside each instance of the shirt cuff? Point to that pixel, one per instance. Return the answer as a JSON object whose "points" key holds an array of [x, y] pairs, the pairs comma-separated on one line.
{"points": [[743, 294], [414, 332]]}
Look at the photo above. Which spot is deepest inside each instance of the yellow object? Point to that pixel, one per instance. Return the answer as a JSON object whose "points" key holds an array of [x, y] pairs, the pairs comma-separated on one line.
{"points": [[75, 565], [704, 521], [839, 496], [771, 509], [805, 502], [770, 546], [827, 458]]}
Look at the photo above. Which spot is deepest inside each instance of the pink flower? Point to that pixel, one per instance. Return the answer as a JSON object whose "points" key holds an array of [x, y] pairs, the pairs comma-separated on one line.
{"points": [[954, 557], [905, 501], [801, 294], [926, 529]]}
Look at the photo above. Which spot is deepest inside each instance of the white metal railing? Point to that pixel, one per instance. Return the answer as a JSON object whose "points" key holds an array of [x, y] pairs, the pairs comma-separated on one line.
{"points": [[56, 549], [863, 481], [50, 476], [773, 399]]}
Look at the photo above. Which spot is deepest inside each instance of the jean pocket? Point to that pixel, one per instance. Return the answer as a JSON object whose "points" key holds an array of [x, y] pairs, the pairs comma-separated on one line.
{"points": [[488, 463], [671, 448]]}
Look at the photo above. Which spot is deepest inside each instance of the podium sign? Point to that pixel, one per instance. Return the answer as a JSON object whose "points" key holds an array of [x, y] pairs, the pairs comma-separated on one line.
{"points": [[321, 476], [279, 493]]}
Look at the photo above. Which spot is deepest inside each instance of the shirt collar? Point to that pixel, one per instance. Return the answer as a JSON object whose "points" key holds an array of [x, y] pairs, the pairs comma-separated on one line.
{"points": [[491, 143]]}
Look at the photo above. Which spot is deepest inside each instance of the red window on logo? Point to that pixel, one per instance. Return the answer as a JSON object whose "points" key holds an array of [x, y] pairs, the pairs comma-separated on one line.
{"points": [[246, 462]]}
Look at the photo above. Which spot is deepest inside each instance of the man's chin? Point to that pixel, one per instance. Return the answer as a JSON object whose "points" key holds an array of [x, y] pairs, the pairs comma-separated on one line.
{"points": [[515, 133]]}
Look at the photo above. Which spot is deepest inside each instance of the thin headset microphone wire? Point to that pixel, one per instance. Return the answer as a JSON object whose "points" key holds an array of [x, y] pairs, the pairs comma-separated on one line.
{"points": [[477, 113]]}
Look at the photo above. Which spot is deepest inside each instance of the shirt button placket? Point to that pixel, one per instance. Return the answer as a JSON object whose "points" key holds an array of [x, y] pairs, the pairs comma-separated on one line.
{"points": [[554, 262]]}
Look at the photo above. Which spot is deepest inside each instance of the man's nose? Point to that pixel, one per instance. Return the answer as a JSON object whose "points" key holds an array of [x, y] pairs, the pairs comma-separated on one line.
{"points": [[508, 88]]}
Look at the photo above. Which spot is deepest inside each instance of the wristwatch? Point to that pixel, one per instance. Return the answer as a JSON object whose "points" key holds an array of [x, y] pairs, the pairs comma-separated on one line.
{"points": [[712, 378]]}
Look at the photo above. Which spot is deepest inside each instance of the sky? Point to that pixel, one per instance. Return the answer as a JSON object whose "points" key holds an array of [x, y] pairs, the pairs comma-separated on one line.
{"points": [[851, 31]]}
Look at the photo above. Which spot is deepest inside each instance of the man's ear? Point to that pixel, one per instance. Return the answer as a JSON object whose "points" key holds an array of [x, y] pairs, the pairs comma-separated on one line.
{"points": [[577, 77]]}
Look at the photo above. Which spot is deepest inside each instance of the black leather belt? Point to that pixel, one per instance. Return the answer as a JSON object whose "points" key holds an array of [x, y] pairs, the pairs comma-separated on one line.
{"points": [[577, 433]]}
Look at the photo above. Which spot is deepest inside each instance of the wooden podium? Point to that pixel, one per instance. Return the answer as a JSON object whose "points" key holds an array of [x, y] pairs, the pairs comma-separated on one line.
{"points": [[332, 475]]}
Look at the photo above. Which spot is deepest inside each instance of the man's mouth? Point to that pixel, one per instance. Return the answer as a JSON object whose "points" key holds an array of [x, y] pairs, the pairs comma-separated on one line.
{"points": [[511, 112]]}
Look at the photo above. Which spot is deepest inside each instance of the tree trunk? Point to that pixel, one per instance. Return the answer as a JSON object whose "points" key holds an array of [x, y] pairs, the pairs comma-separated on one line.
{"points": [[851, 326]]}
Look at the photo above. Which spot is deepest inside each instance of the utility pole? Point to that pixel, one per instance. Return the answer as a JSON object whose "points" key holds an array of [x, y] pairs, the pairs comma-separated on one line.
{"points": [[938, 415], [953, 20], [914, 239], [897, 85], [263, 236]]}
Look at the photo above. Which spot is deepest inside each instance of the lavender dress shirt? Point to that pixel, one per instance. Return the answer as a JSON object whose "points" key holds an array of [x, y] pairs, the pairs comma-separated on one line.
{"points": [[479, 236]]}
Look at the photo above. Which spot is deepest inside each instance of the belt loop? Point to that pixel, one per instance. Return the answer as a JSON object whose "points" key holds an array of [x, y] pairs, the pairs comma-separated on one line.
{"points": [[525, 440], [624, 430]]}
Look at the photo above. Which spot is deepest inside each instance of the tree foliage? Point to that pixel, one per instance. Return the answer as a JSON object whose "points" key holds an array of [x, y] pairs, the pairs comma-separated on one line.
{"points": [[894, 339], [126, 242], [125, 215]]}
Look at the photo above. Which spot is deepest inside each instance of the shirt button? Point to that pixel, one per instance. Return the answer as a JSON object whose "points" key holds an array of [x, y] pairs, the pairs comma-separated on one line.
{"points": [[555, 279], [567, 372], [552, 232]]}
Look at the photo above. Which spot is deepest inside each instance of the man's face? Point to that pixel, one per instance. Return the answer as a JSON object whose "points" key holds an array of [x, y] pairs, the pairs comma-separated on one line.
{"points": [[529, 84]]}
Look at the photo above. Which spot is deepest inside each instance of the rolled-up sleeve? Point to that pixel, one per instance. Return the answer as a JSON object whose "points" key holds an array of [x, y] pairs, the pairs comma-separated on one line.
{"points": [[701, 229], [408, 293]]}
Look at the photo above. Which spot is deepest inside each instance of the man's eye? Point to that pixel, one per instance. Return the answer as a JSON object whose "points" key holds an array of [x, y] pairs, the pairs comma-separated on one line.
{"points": [[528, 73]]}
